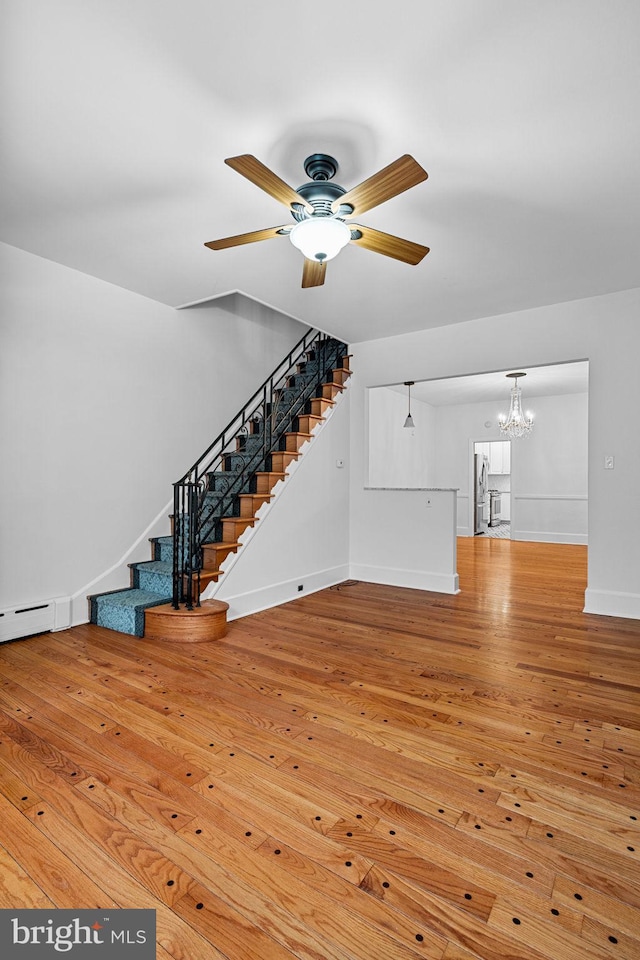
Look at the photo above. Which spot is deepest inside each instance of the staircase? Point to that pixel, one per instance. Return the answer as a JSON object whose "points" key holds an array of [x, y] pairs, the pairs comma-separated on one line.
{"points": [[218, 498]]}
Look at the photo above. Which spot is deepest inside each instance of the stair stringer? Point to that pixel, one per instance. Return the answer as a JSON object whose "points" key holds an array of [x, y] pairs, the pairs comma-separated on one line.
{"points": [[302, 536]]}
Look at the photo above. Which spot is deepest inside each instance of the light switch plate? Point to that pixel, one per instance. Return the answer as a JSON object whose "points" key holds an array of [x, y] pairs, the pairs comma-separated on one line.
{"points": [[609, 463]]}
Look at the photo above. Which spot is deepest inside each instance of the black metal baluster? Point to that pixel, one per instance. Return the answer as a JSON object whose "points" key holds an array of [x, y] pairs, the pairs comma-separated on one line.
{"points": [[196, 506]]}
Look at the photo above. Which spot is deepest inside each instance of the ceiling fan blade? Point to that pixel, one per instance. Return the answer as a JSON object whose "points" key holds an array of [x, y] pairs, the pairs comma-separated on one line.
{"points": [[248, 238], [313, 273], [389, 182], [255, 171], [387, 244]]}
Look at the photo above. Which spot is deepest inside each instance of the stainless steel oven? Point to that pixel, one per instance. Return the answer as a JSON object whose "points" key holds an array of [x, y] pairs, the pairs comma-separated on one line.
{"points": [[495, 507]]}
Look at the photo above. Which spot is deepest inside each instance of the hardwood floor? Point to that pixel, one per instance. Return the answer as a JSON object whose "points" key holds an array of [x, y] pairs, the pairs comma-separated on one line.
{"points": [[367, 773]]}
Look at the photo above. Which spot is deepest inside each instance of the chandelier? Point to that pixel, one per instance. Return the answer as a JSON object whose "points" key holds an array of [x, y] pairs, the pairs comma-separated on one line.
{"points": [[517, 424]]}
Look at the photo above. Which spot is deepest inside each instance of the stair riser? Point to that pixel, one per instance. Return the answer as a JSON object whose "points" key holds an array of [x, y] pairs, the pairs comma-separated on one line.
{"points": [[220, 506], [212, 556], [250, 504], [162, 549], [208, 531], [212, 531], [159, 583], [250, 444], [124, 621], [108, 610], [221, 481], [283, 400], [232, 529], [202, 624], [298, 381], [235, 462], [319, 406], [312, 367], [331, 390], [307, 422], [281, 460], [340, 376], [265, 482], [293, 441]]}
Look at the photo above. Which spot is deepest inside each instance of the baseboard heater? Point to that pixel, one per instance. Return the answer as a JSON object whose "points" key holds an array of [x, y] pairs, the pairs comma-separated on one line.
{"points": [[31, 618]]}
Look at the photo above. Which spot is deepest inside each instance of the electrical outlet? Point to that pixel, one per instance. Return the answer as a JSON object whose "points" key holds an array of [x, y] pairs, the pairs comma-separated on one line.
{"points": [[300, 587], [609, 463]]}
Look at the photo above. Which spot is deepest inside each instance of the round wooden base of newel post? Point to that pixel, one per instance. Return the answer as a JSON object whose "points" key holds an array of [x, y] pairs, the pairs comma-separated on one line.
{"points": [[206, 622]]}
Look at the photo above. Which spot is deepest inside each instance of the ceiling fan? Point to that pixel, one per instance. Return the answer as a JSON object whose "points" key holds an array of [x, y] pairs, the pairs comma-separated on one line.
{"points": [[320, 209]]}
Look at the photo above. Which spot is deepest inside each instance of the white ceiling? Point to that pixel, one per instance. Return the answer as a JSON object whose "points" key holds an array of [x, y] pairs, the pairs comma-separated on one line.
{"points": [[117, 116], [549, 381]]}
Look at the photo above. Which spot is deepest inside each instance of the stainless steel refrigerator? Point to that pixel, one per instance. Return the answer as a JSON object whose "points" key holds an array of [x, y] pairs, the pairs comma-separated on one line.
{"points": [[481, 493]]}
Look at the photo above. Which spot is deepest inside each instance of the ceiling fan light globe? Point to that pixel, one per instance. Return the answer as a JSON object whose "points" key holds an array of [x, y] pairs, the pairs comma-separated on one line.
{"points": [[320, 238]]}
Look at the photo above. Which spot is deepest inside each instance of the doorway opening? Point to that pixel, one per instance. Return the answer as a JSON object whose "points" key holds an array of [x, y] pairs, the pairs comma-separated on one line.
{"points": [[492, 489]]}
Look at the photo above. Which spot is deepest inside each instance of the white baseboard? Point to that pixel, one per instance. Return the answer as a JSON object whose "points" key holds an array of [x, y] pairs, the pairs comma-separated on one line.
{"points": [[244, 604], [548, 536], [416, 579], [612, 603], [80, 612]]}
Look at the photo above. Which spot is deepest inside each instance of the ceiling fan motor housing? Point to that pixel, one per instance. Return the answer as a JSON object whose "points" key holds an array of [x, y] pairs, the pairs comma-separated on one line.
{"points": [[321, 168], [320, 194]]}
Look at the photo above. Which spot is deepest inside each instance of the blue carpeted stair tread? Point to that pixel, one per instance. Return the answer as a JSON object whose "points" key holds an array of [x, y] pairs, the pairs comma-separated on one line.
{"points": [[123, 610], [155, 566], [131, 597]]}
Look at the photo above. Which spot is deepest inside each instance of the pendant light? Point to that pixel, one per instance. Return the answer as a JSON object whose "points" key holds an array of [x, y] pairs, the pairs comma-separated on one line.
{"points": [[409, 421], [517, 424]]}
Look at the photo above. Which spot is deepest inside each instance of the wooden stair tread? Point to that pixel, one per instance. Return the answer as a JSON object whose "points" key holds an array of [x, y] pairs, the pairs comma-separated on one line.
{"points": [[206, 622], [310, 416], [209, 574]]}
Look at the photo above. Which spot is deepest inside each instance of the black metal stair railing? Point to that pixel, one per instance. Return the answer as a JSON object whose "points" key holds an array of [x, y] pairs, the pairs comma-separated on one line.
{"points": [[210, 489]]}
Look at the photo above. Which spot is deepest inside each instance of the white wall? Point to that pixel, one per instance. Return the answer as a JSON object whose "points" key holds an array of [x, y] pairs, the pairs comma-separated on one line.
{"points": [[405, 538], [107, 398], [604, 330], [302, 537], [400, 457], [549, 473], [548, 469]]}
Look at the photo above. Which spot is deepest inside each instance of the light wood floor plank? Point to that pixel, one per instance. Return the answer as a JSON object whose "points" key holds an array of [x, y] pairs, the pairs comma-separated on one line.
{"points": [[366, 772]]}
